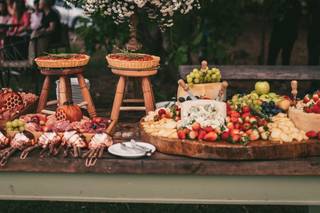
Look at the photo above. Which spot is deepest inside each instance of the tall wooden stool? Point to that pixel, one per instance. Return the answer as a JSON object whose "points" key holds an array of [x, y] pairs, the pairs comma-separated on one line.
{"points": [[65, 93], [148, 97]]}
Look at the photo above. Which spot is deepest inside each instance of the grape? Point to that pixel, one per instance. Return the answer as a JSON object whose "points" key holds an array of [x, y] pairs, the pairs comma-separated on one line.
{"points": [[196, 81], [8, 124], [15, 123], [189, 79], [20, 123], [21, 129]]}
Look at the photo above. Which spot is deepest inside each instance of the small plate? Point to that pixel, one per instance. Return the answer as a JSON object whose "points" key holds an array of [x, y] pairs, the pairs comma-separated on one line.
{"points": [[118, 150]]}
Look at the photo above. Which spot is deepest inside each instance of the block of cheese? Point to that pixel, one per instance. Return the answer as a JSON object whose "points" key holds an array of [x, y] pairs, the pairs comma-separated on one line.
{"points": [[304, 121]]}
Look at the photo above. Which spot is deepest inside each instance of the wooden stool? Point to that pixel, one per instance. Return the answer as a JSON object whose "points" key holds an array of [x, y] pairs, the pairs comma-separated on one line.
{"points": [[148, 97], [65, 93]]}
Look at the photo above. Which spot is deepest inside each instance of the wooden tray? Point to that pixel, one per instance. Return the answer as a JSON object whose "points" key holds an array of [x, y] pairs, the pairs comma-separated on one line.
{"points": [[28, 109], [256, 150]]}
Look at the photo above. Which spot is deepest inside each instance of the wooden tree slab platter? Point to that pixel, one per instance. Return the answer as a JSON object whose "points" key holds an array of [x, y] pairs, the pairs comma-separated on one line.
{"points": [[256, 150]]}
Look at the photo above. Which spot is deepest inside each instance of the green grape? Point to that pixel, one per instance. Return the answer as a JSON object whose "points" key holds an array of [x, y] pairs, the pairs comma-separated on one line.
{"points": [[21, 129], [191, 75], [15, 123], [197, 81], [197, 75], [8, 124], [20, 123], [189, 80]]}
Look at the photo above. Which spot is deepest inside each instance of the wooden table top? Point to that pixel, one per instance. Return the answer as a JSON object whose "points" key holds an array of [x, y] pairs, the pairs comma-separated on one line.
{"points": [[162, 163]]}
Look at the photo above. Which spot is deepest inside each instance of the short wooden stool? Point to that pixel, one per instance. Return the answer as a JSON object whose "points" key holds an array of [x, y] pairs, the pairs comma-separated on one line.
{"points": [[148, 97], [65, 93]]}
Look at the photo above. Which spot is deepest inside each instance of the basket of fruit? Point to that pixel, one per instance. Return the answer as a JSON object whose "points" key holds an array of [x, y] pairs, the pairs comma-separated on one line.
{"points": [[62, 60], [132, 61], [203, 82]]}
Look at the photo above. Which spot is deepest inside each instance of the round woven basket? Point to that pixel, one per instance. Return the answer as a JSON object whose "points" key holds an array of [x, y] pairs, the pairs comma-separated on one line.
{"points": [[62, 63], [124, 64]]}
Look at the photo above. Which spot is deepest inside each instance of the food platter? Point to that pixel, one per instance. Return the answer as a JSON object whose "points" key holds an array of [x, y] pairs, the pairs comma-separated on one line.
{"points": [[220, 150]]}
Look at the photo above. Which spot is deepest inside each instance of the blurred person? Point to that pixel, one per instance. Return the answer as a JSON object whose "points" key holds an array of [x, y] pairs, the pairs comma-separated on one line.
{"points": [[36, 16], [284, 31], [18, 35], [313, 40], [49, 31], [4, 15]]}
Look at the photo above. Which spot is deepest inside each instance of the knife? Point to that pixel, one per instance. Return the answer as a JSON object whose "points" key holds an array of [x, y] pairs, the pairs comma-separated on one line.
{"points": [[186, 88]]}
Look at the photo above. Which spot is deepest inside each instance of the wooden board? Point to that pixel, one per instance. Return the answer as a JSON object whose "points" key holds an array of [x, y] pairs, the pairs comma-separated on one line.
{"points": [[256, 150], [254, 72]]}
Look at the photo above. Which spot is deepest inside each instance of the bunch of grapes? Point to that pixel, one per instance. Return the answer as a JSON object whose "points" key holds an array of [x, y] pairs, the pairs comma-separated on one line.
{"points": [[270, 109], [15, 125], [203, 76]]}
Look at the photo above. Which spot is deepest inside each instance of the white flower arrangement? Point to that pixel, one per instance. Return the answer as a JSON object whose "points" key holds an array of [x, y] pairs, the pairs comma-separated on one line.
{"points": [[161, 11]]}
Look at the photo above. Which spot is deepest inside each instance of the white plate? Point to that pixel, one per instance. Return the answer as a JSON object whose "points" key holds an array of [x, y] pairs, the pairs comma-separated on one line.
{"points": [[118, 150]]}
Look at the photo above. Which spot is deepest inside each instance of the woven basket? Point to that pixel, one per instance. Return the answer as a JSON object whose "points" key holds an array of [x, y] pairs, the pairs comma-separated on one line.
{"points": [[123, 64], [62, 63]]}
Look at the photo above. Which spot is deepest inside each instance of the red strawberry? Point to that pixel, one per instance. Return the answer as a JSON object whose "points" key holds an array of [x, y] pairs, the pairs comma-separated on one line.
{"points": [[193, 134], [225, 136], [318, 103], [311, 134], [196, 126], [306, 99], [315, 108], [211, 136], [234, 132], [262, 122], [235, 138], [201, 134], [234, 119], [162, 112], [234, 114], [245, 115], [237, 126], [315, 97], [208, 129], [254, 135], [246, 126], [181, 134], [307, 109], [253, 120], [245, 109]]}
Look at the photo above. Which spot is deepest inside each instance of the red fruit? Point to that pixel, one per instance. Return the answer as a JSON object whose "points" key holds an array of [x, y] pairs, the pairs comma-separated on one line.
{"points": [[315, 97], [177, 118], [306, 99], [245, 115], [307, 109], [235, 138], [196, 126], [193, 134], [225, 136], [211, 136], [234, 119], [234, 114], [249, 131], [162, 112], [246, 126], [315, 108], [234, 132], [245, 109], [311, 134], [254, 135], [318, 103], [186, 130], [262, 122], [253, 119], [237, 126], [208, 129], [181, 134], [201, 134], [228, 107]]}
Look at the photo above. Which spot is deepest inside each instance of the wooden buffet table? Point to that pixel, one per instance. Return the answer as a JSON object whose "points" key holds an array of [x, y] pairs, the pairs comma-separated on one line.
{"points": [[163, 179]]}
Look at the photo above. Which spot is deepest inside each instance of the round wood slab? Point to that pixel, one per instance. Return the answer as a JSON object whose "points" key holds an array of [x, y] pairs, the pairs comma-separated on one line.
{"points": [[256, 150]]}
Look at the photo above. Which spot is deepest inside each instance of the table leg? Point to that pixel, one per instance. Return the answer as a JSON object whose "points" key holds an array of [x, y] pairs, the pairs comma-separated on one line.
{"points": [[117, 102], [147, 94], [62, 90], [44, 94], [69, 90], [86, 95]]}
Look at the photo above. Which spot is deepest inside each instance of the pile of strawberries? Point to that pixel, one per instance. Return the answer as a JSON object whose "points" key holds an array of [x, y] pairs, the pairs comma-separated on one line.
{"points": [[241, 127], [313, 135], [173, 112], [312, 103]]}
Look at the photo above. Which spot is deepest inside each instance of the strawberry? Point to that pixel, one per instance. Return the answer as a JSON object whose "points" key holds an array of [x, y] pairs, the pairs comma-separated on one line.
{"points": [[196, 126], [253, 120], [245, 109], [318, 103], [208, 129], [307, 109], [177, 118], [225, 135], [311, 134], [262, 122], [254, 135], [234, 114], [315, 97], [211, 136], [237, 126], [181, 134], [235, 138], [234, 119], [245, 115], [246, 126], [306, 99], [193, 134], [234, 132], [201, 134], [315, 108], [162, 112]]}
